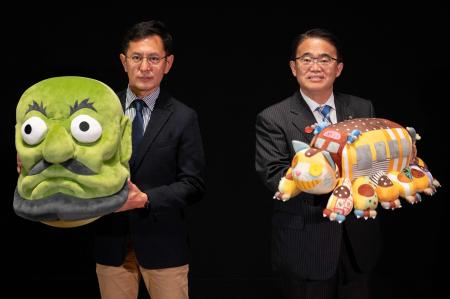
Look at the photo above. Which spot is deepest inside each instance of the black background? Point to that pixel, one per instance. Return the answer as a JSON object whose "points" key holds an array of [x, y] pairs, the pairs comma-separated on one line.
{"points": [[230, 63]]}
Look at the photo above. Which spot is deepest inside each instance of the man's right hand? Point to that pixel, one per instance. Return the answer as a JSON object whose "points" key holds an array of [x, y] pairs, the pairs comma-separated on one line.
{"points": [[136, 198]]}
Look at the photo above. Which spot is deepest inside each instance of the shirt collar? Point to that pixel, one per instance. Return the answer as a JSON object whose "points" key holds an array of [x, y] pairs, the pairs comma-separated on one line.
{"points": [[313, 104], [150, 99]]}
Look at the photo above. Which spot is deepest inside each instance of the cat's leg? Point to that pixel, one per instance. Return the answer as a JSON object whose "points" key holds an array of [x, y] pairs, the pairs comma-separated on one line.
{"points": [[287, 188], [365, 198], [405, 185], [386, 190], [340, 203]]}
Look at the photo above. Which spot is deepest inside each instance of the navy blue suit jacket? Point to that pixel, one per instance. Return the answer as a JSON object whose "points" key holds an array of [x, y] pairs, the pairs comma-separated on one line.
{"points": [[169, 168]]}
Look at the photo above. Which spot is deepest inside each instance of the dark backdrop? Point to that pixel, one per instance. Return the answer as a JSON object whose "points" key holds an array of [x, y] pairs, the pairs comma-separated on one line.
{"points": [[231, 63]]}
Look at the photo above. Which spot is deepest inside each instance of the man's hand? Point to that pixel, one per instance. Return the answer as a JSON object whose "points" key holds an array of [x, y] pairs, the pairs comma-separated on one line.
{"points": [[136, 198]]}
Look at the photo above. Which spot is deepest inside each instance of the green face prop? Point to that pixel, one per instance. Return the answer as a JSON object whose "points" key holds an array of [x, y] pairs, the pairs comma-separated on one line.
{"points": [[74, 143]]}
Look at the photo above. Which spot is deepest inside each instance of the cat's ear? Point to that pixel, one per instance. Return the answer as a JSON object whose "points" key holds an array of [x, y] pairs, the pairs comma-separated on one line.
{"points": [[329, 159], [298, 145]]}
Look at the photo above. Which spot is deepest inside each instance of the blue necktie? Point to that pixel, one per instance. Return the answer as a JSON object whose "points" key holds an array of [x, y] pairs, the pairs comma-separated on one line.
{"points": [[325, 111], [138, 126]]}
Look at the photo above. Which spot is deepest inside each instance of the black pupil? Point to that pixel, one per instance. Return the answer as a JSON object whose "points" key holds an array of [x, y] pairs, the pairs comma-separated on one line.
{"points": [[84, 126], [27, 129]]}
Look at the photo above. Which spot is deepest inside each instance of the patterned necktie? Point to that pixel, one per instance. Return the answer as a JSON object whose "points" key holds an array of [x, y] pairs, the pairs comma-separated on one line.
{"points": [[325, 110], [138, 125]]}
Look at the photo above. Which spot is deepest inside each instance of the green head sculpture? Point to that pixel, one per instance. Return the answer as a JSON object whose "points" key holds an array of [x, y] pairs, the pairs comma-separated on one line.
{"points": [[74, 143]]}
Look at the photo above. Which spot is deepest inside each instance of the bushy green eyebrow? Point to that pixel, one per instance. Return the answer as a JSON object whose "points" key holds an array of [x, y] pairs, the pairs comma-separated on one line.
{"points": [[84, 104], [36, 107]]}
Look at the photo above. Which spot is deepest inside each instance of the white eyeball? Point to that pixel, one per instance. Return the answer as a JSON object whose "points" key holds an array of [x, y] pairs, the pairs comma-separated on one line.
{"points": [[34, 130], [86, 129]]}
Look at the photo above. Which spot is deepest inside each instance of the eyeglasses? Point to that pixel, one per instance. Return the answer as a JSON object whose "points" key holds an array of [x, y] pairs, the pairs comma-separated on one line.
{"points": [[153, 59], [323, 59]]}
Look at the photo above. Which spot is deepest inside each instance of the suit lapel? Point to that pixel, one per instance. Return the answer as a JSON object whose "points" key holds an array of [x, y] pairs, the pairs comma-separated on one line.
{"points": [[301, 115], [160, 115], [122, 97], [342, 112]]}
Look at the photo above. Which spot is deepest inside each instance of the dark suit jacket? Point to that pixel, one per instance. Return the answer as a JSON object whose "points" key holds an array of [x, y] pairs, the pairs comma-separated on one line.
{"points": [[169, 168], [304, 243]]}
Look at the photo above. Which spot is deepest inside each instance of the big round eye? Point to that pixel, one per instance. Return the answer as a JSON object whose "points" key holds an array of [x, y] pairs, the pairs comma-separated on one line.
{"points": [[33, 130], [315, 170], [85, 129]]}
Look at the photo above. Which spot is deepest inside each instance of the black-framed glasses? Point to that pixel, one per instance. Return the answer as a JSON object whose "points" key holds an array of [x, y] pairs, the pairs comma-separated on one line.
{"points": [[153, 59], [308, 60]]}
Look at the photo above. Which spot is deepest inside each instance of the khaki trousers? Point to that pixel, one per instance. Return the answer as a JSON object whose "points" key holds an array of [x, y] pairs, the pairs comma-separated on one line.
{"points": [[123, 282]]}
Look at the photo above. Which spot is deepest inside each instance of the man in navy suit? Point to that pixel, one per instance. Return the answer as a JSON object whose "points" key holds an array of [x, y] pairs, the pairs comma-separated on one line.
{"points": [[147, 238], [315, 258]]}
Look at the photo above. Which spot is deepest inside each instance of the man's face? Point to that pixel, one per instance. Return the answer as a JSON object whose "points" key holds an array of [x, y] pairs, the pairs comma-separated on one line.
{"points": [[72, 138], [145, 76], [316, 77]]}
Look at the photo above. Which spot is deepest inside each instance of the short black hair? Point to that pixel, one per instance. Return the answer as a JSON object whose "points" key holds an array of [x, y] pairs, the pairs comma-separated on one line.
{"points": [[149, 28], [318, 33]]}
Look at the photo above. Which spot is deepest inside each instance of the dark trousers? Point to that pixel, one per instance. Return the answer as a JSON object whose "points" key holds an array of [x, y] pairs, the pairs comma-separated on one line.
{"points": [[347, 283]]}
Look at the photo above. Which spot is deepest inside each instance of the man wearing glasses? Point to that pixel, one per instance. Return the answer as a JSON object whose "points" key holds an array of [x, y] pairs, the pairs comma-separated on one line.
{"points": [[147, 237], [315, 258]]}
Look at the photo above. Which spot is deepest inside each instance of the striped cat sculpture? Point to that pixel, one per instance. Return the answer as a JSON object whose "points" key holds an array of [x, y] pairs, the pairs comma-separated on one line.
{"points": [[363, 161]]}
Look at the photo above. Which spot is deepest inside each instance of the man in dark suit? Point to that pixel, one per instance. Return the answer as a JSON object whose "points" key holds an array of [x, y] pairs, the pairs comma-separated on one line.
{"points": [[147, 238], [315, 258]]}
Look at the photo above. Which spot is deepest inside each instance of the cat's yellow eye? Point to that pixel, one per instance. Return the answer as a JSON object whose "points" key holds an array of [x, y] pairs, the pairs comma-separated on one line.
{"points": [[315, 170]]}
